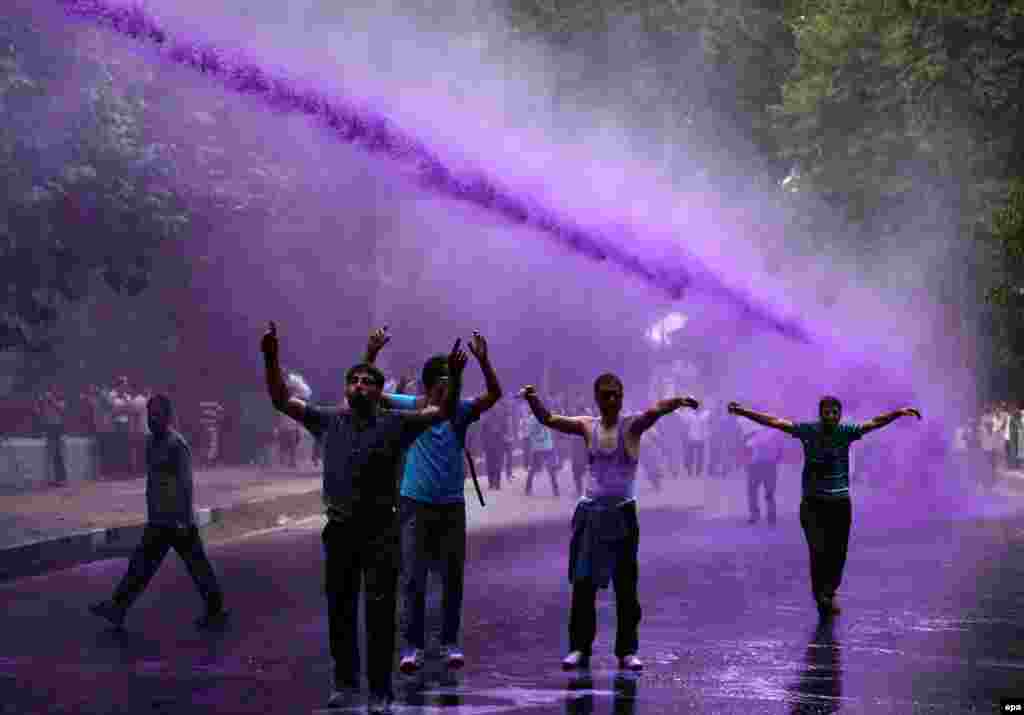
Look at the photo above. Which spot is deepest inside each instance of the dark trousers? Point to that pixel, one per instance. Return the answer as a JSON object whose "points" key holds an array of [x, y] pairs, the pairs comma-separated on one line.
{"points": [[150, 553], [429, 532], [362, 547], [759, 473], [826, 525], [494, 458], [583, 612], [694, 457], [55, 454], [539, 459]]}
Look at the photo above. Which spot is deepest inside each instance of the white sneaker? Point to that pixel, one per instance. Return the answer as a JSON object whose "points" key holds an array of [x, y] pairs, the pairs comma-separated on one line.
{"points": [[574, 660], [631, 662], [411, 661], [453, 656]]}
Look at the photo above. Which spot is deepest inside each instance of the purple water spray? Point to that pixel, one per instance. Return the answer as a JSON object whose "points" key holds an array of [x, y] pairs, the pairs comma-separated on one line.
{"points": [[377, 134]]}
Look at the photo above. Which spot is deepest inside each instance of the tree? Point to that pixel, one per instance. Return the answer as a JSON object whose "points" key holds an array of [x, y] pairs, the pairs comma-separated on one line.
{"points": [[901, 109]]}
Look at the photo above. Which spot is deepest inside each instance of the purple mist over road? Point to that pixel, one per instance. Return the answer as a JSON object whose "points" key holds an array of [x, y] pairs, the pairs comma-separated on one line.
{"points": [[376, 134]]}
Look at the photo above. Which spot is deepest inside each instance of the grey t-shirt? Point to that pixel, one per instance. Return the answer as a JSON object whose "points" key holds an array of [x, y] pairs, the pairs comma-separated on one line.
{"points": [[169, 483]]}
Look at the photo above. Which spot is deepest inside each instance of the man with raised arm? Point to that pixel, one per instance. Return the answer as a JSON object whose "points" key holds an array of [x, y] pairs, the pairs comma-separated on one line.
{"points": [[363, 445], [432, 510], [825, 509], [605, 531]]}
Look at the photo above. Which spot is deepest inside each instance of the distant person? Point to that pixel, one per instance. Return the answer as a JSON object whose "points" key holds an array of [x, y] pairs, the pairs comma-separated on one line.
{"points": [[51, 410], [1016, 433], [605, 530], [432, 507], [363, 446], [991, 445], [211, 418], [765, 451], [495, 428], [170, 522], [542, 456], [699, 422], [578, 449], [121, 400], [825, 510]]}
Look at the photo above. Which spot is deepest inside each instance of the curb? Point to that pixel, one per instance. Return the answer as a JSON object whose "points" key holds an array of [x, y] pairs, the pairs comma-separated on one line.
{"points": [[216, 523]]}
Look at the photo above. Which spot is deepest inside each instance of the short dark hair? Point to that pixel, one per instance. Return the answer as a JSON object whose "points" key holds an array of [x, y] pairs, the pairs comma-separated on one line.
{"points": [[829, 400], [605, 378], [371, 370], [433, 369], [163, 401]]}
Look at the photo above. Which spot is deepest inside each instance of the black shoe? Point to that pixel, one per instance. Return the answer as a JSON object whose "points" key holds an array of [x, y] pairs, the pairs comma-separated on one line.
{"points": [[213, 620], [110, 611], [753, 520]]}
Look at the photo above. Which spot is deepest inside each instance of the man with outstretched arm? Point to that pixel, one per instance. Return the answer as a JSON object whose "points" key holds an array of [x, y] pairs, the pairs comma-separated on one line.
{"points": [[432, 510], [362, 446], [825, 510], [605, 531]]}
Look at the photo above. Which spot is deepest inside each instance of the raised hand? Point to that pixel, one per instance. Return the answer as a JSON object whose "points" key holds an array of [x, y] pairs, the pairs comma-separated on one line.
{"points": [[457, 359], [910, 412], [269, 344], [527, 392], [478, 346], [378, 339]]}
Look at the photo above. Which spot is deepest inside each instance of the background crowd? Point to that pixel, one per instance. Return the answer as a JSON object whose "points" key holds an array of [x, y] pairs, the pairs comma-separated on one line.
{"points": [[707, 443]]}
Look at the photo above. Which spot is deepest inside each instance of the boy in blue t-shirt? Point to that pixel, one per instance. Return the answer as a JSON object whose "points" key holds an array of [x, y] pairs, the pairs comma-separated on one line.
{"points": [[432, 508], [825, 510]]}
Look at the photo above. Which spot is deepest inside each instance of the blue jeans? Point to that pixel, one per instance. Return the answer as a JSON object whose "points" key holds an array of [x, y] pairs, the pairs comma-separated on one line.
{"points": [[429, 532]]}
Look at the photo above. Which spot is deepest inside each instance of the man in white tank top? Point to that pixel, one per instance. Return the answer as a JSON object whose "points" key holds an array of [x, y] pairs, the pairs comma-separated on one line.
{"points": [[605, 530]]}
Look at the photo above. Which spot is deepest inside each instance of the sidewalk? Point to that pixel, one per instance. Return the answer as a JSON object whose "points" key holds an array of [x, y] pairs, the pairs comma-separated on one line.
{"points": [[55, 528]]}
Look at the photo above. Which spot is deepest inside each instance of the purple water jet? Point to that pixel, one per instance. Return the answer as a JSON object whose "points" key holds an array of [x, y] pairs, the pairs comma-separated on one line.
{"points": [[377, 134]]}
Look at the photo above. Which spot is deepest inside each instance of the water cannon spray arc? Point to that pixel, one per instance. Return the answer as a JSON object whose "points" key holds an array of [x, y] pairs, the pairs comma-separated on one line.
{"points": [[377, 134]]}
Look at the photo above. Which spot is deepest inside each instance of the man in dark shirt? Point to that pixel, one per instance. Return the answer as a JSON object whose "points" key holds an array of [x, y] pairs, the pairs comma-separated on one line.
{"points": [[825, 510], [363, 446], [170, 523]]}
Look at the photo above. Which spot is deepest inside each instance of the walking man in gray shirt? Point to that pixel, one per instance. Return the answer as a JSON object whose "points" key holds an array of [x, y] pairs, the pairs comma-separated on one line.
{"points": [[170, 523]]}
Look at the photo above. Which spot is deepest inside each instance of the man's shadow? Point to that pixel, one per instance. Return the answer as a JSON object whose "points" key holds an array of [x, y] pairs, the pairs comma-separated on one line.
{"points": [[819, 688], [580, 698]]}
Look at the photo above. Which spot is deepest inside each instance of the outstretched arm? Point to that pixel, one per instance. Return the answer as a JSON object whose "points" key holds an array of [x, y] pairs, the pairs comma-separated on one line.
{"points": [[276, 387], [559, 423], [661, 408], [767, 420], [889, 417], [478, 346]]}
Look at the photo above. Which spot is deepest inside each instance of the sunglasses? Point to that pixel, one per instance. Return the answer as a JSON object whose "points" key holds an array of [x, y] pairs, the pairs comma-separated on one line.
{"points": [[362, 381]]}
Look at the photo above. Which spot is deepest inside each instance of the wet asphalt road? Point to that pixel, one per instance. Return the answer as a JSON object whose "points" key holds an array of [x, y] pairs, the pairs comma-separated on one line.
{"points": [[933, 622]]}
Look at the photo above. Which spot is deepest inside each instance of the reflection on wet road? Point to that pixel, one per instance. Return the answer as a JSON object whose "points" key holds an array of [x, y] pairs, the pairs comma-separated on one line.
{"points": [[932, 622]]}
